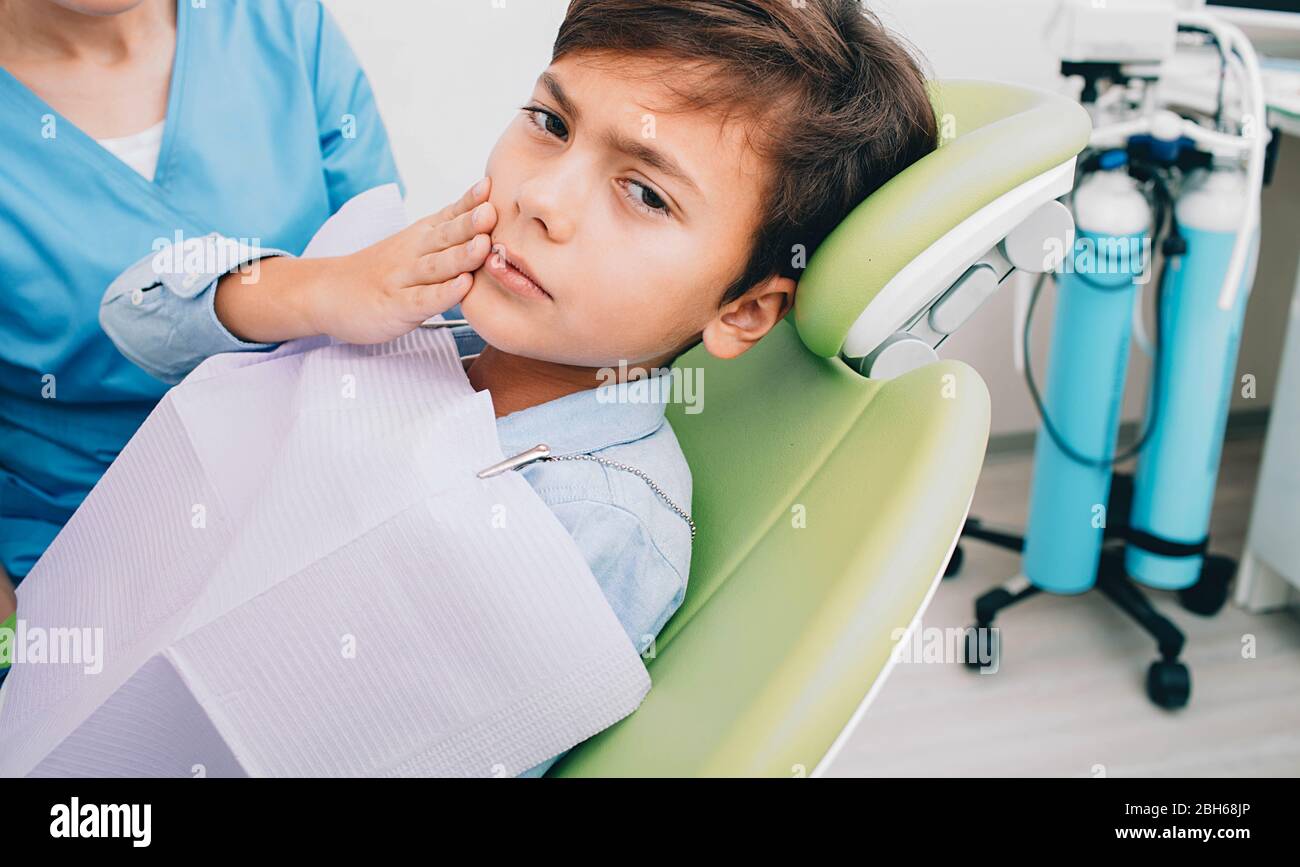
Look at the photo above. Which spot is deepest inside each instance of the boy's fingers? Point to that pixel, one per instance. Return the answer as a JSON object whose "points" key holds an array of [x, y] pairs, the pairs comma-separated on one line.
{"points": [[473, 196], [435, 298], [461, 229], [445, 264]]}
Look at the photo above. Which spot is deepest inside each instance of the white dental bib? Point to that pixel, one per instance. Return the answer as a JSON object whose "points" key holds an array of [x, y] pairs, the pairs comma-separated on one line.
{"points": [[296, 571]]}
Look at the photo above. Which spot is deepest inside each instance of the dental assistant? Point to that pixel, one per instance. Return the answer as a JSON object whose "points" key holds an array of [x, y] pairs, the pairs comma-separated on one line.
{"points": [[123, 125]]}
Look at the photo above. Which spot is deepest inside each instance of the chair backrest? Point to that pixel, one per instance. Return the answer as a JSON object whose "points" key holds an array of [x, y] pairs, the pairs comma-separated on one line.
{"points": [[993, 138], [780, 422]]}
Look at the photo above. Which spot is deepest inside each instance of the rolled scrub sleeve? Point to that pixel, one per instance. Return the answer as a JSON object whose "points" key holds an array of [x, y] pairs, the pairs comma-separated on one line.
{"points": [[160, 313]]}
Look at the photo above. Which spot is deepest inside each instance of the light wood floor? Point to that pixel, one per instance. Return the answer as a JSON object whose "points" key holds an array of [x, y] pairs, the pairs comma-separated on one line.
{"points": [[1068, 698]]}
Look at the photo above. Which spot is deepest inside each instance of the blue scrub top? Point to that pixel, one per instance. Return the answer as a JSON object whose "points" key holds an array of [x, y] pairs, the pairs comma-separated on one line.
{"points": [[271, 126]]}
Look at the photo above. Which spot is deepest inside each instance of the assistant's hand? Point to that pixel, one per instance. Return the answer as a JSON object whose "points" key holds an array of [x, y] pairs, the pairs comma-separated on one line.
{"points": [[373, 295]]}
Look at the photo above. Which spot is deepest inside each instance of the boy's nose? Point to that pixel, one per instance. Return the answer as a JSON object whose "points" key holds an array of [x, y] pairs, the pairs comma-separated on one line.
{"points": [[553, 199]]}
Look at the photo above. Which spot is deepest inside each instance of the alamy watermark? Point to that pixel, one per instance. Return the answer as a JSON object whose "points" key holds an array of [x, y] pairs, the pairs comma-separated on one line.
{"points": [[1123, 255], [976, 646], [631, 384], [208, 256], [133, 822], [22, 644]]}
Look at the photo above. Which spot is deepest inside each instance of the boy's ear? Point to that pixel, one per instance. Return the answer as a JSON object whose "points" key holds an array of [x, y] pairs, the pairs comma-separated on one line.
{"points": [[743, 322]]}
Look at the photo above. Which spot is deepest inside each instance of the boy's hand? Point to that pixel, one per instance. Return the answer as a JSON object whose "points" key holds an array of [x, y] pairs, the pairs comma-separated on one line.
{"points": [[389, 288], [373, 295]]}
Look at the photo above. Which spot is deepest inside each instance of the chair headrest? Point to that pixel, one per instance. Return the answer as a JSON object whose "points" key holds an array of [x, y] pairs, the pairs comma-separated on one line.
{"points": [[993, 138]]}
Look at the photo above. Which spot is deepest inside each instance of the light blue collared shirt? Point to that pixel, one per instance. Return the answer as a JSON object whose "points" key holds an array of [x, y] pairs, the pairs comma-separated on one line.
{"points": [[638, 547]]}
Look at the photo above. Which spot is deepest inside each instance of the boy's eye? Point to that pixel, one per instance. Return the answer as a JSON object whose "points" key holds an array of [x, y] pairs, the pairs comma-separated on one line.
{"points": [[549, 123], [642, 197], [648, 201]]}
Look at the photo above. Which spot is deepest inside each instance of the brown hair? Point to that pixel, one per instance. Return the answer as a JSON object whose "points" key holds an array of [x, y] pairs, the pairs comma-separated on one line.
{"points": [[836, 104]]}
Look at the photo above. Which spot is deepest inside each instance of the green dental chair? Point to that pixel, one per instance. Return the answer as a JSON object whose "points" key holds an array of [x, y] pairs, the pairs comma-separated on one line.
{"points": [[822, 540]]}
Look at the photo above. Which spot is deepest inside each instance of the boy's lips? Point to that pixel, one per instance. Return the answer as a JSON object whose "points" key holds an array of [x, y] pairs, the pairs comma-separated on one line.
{"points": [[512, 272]]}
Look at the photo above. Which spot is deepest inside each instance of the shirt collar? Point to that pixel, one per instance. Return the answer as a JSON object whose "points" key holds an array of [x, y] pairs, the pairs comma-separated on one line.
{"points": [[583, 422], [589, 420]]}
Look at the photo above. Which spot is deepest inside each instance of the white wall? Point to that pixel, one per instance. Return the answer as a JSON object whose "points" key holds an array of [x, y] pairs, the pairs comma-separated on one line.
{"points": [[448, 75]]}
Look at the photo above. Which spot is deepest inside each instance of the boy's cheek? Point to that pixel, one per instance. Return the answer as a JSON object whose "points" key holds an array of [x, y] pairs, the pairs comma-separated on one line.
{"points": [[631, 335]]}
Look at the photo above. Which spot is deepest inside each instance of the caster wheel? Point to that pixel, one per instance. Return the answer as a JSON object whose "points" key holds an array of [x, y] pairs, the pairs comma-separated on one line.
{"points": [[954, 564], [1210, 592], [1169, 684], [983, 648]]}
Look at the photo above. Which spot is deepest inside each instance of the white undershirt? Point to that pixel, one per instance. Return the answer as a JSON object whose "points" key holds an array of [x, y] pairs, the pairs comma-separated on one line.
{"points": [[139, 151]]}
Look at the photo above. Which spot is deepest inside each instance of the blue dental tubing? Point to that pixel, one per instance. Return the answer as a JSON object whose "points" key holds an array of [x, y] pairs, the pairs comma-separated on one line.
{"points": [[1173, 489], [1173, 246], [1091, 526], [1194, 354], [1088, 361]]}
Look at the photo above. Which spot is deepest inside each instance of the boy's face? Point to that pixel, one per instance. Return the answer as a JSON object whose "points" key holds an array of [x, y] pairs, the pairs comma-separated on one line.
{"points": [[632, 221]]}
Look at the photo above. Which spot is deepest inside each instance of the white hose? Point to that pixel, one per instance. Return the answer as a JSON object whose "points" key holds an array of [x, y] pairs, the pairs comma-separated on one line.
{"points": [[1140, 335], [1232, 39], [1243, 64], [1237, 69], [1019, 313], [1115, 134]]}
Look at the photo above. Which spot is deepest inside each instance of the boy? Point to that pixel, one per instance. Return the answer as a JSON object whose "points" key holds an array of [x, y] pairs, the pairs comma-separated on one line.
{"points": [[674, 161]]}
